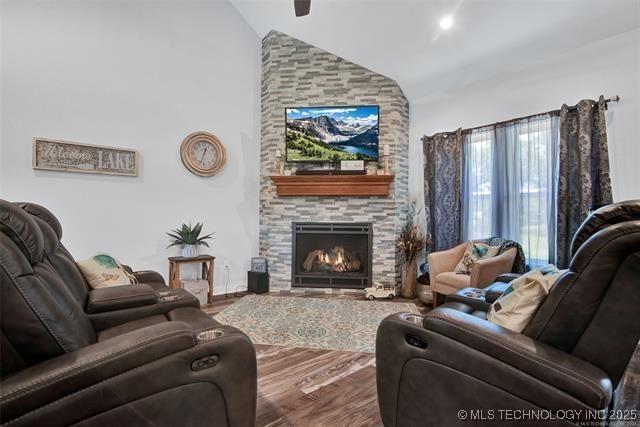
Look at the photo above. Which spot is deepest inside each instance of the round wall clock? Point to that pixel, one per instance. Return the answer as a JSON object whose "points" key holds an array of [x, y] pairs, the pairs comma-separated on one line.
{"points": [[203, 153]]}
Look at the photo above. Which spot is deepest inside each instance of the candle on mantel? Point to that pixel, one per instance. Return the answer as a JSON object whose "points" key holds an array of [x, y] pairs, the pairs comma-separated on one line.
{"points": [[386, 159], [278, 165]]}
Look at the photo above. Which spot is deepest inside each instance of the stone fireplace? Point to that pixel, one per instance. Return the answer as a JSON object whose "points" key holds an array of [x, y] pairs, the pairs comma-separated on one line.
{"points": [[296, 73], [331, 255]]}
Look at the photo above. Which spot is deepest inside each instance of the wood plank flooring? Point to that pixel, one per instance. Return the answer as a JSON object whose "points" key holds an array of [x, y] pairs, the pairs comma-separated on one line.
{"points": [[300, 387], [315, 387]]}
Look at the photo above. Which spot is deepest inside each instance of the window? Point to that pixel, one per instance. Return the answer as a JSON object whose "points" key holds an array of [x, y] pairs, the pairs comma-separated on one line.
{"points": [[478, 161], [509, 184]]}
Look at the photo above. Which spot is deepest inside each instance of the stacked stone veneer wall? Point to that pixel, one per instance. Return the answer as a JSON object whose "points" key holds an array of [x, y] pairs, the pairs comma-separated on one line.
{"points": [[295, 73]]}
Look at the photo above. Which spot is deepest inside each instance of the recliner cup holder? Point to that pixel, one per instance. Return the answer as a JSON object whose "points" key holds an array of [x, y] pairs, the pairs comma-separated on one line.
{"points": [[474, 293], [209, 335], [414, 318]]}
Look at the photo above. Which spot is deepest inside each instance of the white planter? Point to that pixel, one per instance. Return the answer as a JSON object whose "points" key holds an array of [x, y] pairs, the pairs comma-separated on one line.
{"points": [[198, 288], [189, 251]]}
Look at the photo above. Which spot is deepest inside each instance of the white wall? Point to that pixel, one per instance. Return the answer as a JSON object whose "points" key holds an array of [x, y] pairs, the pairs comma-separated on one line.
{"points": [[608, 67], [138, 75]]}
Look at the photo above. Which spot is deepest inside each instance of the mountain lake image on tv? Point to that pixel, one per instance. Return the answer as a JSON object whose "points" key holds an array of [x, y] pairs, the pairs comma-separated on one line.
{"points": [[331, 134]]}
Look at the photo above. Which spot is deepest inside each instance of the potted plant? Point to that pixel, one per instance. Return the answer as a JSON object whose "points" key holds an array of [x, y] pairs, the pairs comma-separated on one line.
{"points": [[410, 243], [189, 239]]}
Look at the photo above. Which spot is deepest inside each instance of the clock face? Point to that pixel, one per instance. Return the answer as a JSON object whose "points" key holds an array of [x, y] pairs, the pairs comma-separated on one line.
{"points": [[203, 154]]}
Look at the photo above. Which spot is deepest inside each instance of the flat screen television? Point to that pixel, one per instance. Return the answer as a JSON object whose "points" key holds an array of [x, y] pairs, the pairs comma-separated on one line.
{"points": [[332, 134]]}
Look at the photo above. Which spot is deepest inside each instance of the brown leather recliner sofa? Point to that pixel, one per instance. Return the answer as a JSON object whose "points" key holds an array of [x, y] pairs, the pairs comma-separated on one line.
{"points": [[453, 367], [131, 355]]}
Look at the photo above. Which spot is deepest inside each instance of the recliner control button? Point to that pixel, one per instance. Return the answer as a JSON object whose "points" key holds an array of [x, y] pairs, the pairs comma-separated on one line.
{"points": [[415, 341], [205, 363]]}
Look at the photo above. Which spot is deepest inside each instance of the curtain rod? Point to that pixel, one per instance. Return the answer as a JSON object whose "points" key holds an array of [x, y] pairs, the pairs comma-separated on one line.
{"points": [[614, 98]]}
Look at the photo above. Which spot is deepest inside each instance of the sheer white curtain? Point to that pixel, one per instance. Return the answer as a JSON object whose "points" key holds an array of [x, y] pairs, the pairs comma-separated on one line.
{"points": [[508, 180], [477, 183]]}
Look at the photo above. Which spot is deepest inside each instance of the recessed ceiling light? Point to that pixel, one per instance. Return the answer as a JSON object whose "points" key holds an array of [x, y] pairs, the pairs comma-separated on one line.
{"points": [[446, 22]]}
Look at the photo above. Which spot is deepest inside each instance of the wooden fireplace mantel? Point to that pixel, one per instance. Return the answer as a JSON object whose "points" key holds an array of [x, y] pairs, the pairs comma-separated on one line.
{"points": [[332, 185]]}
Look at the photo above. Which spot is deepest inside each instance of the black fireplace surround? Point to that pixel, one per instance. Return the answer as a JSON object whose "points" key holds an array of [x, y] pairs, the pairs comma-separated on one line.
{"points": [[331, 255]]}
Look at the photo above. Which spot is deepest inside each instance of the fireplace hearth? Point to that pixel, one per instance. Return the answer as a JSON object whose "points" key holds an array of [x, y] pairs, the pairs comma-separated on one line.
{"points": [[331, 255]]}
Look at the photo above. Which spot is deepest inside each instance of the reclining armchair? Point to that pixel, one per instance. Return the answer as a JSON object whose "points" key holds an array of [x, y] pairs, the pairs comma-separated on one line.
{"points": [[439, 368], [445, 281], [131, 355]]}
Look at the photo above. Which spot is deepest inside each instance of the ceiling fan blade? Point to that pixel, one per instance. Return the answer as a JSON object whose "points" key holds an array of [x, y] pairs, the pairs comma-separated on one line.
{"points": [[302, 7]]}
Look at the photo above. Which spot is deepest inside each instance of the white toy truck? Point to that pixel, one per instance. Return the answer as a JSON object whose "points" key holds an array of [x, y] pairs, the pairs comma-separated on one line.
{"points": [[378, 290]]}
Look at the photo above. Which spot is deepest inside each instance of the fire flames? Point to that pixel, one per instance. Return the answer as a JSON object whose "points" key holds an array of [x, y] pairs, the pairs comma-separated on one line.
{"points": [[335, 260]]}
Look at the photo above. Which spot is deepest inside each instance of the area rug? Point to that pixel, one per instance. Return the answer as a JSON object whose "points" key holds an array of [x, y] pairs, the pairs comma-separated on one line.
{"points": [[330, 324]]}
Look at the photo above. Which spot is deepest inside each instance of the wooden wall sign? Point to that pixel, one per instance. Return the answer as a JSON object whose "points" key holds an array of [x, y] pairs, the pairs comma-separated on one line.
{"points": [[65, 156]]}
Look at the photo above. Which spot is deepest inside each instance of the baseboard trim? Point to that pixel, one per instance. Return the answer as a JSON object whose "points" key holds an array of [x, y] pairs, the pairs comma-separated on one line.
{"points": [[230, 289]]}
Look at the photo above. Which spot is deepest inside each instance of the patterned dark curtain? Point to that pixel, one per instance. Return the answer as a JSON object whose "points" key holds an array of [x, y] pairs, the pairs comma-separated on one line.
{"points": [[583, 175], [442, 170]]}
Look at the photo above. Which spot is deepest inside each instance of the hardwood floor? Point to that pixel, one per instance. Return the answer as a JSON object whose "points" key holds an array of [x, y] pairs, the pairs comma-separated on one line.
{"points": [[304, 387], [299, 386], [629, 396]]}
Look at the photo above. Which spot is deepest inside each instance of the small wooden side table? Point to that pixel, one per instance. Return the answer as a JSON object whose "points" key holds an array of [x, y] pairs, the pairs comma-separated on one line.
{"points": [[206, 261]]}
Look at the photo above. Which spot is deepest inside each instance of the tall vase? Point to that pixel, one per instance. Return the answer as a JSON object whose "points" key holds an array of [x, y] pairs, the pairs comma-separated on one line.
{"points": [[408, 289]]}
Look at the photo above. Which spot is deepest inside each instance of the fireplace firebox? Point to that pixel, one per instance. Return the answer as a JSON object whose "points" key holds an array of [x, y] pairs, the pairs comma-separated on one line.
{"points": [[331, 255]]}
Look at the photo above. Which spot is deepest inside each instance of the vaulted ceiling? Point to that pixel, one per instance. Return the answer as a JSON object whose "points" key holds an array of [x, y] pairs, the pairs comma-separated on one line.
{"points": [[402, 39]]}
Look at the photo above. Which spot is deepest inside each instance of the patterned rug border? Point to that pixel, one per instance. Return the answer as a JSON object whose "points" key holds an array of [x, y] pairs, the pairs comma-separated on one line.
{"points": [[308, 322]]}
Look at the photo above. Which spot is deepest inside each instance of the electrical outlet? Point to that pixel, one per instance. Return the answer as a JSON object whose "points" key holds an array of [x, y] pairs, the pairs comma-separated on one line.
{"points": [[226, 265]]}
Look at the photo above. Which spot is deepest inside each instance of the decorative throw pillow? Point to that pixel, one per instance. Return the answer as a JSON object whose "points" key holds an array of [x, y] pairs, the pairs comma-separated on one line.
{"points": [[102, 271], [519, 303], [474, 253]]}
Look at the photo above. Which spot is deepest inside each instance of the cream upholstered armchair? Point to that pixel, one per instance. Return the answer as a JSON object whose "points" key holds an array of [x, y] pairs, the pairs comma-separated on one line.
{"points": [[445, 281]]}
